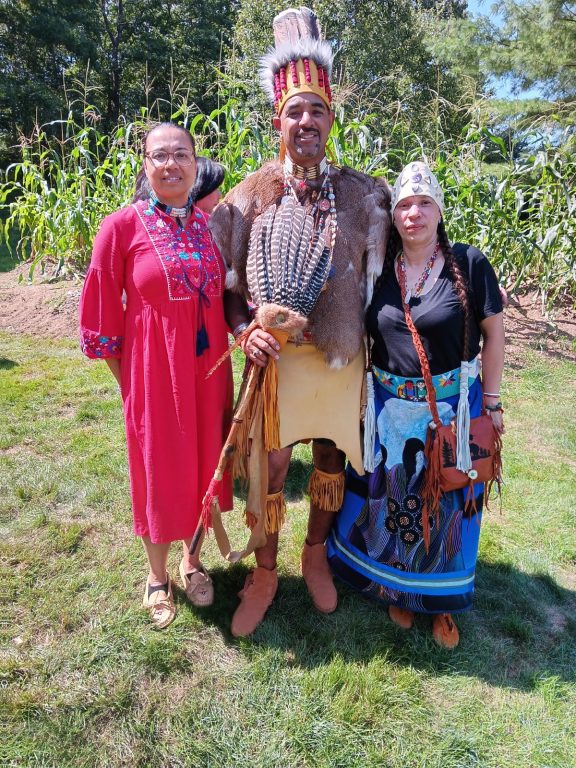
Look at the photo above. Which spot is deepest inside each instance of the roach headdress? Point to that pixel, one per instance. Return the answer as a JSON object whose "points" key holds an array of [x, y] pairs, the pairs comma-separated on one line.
{"points": [[300, 62]]}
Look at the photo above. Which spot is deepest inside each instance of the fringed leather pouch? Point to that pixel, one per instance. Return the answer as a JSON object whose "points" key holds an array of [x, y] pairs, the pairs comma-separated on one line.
{"points": [[460, 454]]}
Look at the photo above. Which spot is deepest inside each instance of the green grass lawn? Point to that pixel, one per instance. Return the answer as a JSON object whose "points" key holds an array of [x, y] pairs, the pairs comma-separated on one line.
{"points": [[88, 683]]}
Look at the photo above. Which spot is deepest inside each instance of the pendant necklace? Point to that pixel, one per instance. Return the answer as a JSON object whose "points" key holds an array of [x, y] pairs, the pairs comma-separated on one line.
{"points": [[417, 290]]}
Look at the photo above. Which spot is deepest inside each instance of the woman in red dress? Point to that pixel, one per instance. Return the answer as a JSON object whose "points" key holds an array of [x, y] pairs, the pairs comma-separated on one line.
{"points": [[160, 255]]}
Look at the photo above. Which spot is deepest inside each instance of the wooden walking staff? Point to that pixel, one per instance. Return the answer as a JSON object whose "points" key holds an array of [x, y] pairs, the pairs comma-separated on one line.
{"points": [[254, 432], [211, 512]]}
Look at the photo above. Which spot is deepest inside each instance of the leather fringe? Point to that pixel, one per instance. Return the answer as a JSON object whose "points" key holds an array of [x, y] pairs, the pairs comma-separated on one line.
{"points": [[497, 475], [275, 513], [210, 499], [241, 449], [369, 424], [271, 417], [240, 455], [326, 490], [431, 490]]}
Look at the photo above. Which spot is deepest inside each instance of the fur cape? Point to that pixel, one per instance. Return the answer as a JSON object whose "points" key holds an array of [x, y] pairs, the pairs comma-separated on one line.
{"points": [[363, 208]]}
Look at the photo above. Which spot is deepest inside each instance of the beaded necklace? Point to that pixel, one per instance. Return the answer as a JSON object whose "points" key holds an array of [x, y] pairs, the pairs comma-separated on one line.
{"points": [[299, 172], [417, 290], [175, 213]]}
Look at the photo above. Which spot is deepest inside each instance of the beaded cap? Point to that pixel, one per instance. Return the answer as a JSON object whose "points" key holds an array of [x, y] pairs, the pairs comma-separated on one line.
{"points": [[417, 179], [300, 62]]}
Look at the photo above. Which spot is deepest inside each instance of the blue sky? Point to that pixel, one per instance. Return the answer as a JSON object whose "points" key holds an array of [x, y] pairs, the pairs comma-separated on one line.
{"points": [[483, 8]]}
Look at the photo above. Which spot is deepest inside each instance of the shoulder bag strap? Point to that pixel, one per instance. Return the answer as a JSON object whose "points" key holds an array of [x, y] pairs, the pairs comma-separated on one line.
{"points": [[427, 376]]}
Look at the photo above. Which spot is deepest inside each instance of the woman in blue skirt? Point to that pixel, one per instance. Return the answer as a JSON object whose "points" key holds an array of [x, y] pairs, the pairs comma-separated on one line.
{"points": [[453, 297]]}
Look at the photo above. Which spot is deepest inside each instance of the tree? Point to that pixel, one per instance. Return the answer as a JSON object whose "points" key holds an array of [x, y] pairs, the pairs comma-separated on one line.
{"points": [[39, 42], [152, 47], [130, 54], [534, 45]]}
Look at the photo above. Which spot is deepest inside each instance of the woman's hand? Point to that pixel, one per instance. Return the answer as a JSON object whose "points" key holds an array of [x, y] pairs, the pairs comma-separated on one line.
{"points": [[498, 421], [259, 346]]}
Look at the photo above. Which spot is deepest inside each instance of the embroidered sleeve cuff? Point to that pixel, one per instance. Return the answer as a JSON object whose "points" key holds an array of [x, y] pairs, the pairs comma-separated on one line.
{"points": [[100, 347]]}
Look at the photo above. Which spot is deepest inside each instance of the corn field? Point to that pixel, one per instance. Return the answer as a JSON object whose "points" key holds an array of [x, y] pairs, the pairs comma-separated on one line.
{"points": [[520, 212]]}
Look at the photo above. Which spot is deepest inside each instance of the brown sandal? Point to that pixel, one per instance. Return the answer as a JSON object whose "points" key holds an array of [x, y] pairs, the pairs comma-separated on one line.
{"points": [[160, 604], [198, 586]]}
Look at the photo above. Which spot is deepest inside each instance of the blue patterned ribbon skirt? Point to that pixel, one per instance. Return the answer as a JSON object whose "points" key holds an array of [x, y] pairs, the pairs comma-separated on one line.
{"points": [[376, 543]]}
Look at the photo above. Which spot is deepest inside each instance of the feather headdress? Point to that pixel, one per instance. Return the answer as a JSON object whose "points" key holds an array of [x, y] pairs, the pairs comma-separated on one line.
{"points": [[300, 62]]}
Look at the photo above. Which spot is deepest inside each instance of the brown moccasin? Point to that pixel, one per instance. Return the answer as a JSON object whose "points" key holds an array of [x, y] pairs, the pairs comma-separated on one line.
{"points": [[444, 631], [318, 577], [255, 599], [402, 617], [198, 586]]}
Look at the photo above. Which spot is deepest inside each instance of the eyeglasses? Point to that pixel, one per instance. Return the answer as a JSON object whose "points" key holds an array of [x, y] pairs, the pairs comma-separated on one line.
{"points": [[160, 158]]}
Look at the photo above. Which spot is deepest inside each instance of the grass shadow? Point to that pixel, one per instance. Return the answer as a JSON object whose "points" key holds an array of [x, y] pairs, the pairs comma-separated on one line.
{"points": [[295, 485], [522, 629]]}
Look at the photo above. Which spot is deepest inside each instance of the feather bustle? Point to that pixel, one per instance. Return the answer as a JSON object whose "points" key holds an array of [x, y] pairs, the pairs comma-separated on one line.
{"points": [[297, 215], [281, 231], [268, 224], [305, 241]]}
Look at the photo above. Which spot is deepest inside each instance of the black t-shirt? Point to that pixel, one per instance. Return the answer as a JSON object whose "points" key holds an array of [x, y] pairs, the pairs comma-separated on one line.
{"points": [[437, 315]]}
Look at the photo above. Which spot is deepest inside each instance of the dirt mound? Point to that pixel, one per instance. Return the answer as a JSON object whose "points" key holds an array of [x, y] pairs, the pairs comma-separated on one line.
{"points": [[527, 327], [40, 308]]}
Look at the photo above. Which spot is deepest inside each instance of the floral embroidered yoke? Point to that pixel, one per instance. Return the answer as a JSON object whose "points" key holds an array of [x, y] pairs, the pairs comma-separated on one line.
{"points": [[188, 256]]}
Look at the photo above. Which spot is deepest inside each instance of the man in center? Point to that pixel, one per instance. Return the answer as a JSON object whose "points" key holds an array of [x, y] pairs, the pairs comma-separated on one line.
{"points": [[304, 234]]}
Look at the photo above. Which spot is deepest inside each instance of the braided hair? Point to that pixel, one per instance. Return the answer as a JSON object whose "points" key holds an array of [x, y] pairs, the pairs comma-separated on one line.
{"points": [[457, 276], [460, 283], [142, 188]]}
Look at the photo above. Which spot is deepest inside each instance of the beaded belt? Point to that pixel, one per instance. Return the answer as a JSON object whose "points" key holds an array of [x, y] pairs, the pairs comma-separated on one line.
{"points": [[406, 388]]}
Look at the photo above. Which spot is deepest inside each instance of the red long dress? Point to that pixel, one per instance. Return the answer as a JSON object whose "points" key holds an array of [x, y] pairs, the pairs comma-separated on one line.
{"points": [[169, 335]]}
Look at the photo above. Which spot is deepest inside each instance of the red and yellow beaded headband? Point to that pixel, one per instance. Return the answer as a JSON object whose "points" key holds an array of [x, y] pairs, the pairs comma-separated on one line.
{"points": [[300, 62]]}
